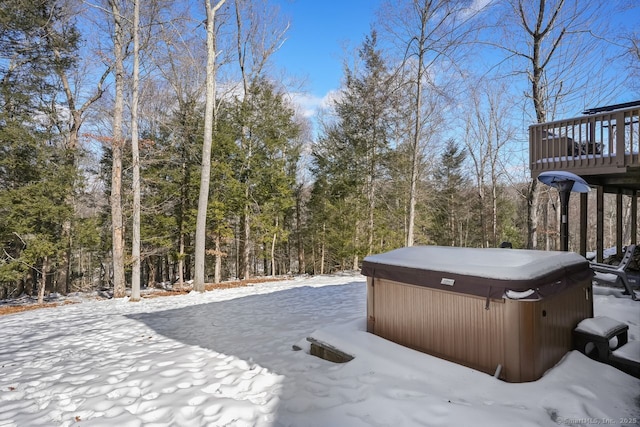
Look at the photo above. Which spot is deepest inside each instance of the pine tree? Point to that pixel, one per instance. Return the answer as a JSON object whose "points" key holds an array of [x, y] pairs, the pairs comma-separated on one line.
{"points": [[451, 207], [349, 156], [266, 134], [36, 174], [170, 186], [25, 44], [34, 183]]}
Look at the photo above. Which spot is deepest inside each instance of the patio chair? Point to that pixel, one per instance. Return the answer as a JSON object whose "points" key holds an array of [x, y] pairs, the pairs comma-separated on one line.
{"points": [[606, 274]]}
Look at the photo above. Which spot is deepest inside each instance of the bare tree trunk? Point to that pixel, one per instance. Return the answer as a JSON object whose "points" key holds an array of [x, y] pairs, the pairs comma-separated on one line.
{"points": [[494, 212], [313, 256], [371, 194], [356, 242], [539, 94], [322, 249], [273, 250], [66, 258], [119, 285], [163, 268], [43, 280], [153, 269], [415, 143], [246, 247], [302, 268], [135, 242], [183, 210], [209, 120], [483, 218], [533, 196], [181, 261], [217, 275]]}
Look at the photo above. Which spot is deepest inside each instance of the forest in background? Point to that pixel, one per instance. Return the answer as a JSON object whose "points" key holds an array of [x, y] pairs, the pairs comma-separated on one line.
{"points": [[107, 109]]}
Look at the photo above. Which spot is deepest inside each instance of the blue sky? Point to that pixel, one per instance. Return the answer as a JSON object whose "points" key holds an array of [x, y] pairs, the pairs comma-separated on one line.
{"points": [[322, 32], [320, 29]]}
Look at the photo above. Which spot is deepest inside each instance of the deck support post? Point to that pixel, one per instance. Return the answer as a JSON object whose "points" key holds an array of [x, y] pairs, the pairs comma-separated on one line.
{"points": [[634, 217], [583, 224], [619, 222], [600, 223]]}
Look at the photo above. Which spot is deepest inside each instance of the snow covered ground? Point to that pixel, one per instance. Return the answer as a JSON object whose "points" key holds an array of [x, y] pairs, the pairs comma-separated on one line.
{"points": [[225, 358]]}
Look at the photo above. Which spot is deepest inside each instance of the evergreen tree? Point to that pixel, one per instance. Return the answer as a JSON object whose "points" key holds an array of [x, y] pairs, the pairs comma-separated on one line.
{"points": [[170, 186], [226, 200], [265, 135], [451, 210], [34, 182], [349, 156], [36, 175], [28, 63]]}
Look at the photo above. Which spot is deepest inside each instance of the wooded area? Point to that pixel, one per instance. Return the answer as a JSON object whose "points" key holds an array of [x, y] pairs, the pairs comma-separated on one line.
{"points": [[154, 141]]}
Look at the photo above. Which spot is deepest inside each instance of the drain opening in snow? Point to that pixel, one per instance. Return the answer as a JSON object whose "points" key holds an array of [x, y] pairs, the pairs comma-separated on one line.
{"points": [[328, 352]]}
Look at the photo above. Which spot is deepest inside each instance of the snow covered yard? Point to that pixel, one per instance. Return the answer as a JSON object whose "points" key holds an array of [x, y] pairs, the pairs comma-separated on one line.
{"points": [[225, 358]]}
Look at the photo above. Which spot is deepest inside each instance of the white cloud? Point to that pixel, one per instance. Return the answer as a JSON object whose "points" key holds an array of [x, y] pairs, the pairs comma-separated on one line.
{"points": [[475, 7], [310, 105]]}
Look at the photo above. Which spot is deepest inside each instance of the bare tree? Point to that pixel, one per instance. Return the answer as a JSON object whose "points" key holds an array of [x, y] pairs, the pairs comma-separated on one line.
{"points": [[488, 132], [559, 42], [135, 242], [429, 33], [631, 42], [77, 106], [72, 80], [209, 119], [119, 37], [259, 34], [179, 62], [43, 279]]}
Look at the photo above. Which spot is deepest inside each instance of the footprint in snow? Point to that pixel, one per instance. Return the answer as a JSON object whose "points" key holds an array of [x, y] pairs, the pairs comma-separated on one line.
{"points": [[197, 401], [170, 373], [583, 392], [212, 388]]}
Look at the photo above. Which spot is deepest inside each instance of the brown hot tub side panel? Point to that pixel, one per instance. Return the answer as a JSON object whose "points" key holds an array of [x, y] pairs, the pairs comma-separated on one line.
{"points": [[445, 324], [544, 331], [525, 337]]}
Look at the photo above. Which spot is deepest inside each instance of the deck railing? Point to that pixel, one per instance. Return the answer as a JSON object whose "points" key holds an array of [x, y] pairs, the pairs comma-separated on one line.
{"points": [[591, 145]]}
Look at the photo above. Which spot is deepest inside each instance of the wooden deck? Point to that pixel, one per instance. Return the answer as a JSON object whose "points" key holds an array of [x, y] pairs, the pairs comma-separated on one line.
{"points": [[603, 148]]}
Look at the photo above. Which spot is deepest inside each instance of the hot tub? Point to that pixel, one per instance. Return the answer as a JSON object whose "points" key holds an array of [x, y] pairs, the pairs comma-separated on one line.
{"points": [[504, 311]]}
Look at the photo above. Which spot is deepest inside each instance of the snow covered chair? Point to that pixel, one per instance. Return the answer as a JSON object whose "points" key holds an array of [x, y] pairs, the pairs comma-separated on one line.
{"points": [[606, 274]]}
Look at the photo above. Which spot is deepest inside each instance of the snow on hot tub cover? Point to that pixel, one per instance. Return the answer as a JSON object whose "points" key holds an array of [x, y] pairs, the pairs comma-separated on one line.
{"points": [[487, 272]]}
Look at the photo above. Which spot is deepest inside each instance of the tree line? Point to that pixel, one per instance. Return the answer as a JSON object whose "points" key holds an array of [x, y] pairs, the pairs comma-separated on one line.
{"points": [[153, 141]]}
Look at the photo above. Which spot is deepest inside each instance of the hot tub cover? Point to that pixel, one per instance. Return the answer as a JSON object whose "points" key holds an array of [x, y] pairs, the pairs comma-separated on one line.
{"points": [[489, 272]]}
